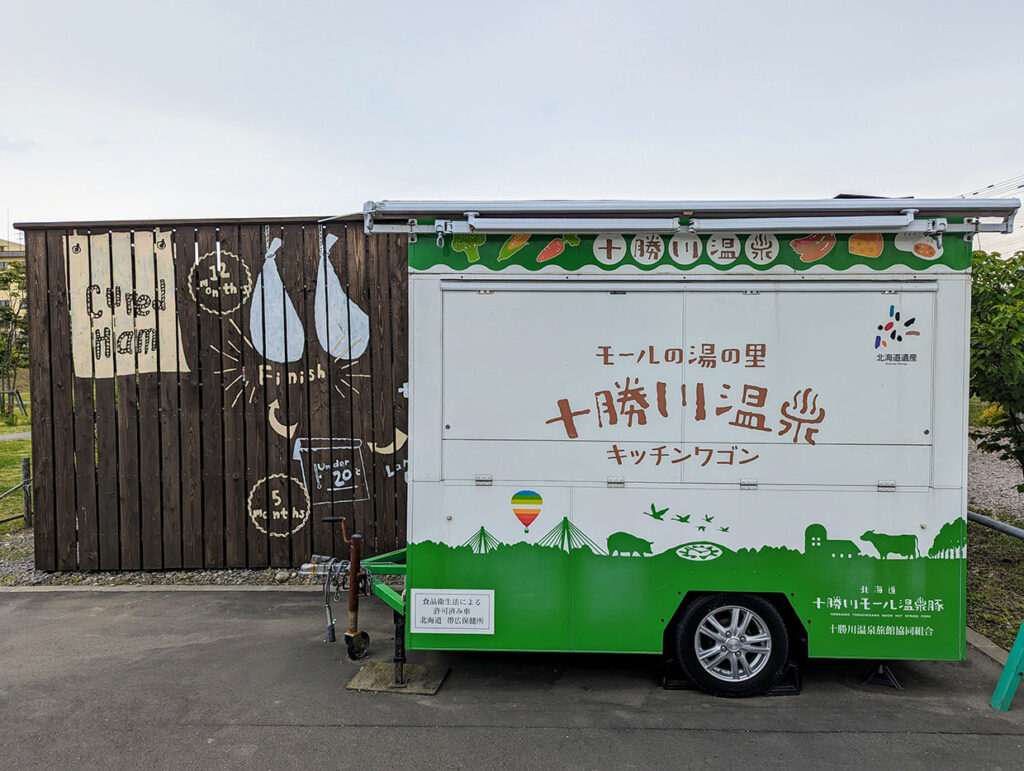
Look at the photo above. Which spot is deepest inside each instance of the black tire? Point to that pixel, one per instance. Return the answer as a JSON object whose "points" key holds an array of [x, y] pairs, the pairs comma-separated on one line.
{"points": [[726, 663]]}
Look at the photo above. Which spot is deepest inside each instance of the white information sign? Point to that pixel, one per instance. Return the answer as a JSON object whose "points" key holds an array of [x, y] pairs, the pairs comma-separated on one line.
{"points": [[452, 611]]}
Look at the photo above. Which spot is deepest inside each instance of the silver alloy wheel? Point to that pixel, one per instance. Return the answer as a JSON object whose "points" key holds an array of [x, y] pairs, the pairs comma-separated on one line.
{"points": [[732, 643]]}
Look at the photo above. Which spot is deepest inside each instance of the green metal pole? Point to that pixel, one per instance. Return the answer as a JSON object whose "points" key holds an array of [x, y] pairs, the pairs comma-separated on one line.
{"points": [[1013, 673]]}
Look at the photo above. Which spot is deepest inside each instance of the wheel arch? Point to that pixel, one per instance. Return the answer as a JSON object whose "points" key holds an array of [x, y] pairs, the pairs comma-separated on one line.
{"points": [[780, 600]]}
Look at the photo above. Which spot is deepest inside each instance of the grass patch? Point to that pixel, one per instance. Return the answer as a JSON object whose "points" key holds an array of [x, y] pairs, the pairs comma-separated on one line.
{"points": [[16, 424], [995, 583], [11, 453]]}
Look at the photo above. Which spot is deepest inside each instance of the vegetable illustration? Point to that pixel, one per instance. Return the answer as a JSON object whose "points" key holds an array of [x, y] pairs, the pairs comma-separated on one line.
{"points": [[813, 247], [469, 243], [514, 243], [556, 246]]}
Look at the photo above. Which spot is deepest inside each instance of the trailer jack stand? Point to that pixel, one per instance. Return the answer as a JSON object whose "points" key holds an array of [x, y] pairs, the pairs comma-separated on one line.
{"points": [[882, 674], [358, 642], [400, 681]]}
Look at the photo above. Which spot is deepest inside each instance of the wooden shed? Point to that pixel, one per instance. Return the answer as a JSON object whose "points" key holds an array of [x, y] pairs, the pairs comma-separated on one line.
{"points": [[206, 393]]}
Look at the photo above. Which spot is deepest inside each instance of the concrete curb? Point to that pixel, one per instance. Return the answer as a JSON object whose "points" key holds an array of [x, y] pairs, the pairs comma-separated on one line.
{"points": [[314, 588], [980, 642]]}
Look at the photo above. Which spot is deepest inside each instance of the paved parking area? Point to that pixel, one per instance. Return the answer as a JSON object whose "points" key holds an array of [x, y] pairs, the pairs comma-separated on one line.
{"points": [[181, 679]]}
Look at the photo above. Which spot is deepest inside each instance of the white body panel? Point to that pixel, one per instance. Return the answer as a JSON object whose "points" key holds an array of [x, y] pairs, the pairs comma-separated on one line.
{"points": [[899, 423]]}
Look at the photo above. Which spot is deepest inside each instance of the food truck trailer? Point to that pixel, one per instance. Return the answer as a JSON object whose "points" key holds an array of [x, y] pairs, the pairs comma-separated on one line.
{"points": [[726, 432]]}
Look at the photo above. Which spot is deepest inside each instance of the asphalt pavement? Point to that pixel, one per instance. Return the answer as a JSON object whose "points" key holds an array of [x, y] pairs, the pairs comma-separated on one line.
{"points": [[244, 679]]}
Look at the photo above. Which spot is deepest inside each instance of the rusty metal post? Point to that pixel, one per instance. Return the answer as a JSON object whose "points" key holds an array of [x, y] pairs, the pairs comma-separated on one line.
{"points": [[26, 489], [353, 583], [357, 641]]}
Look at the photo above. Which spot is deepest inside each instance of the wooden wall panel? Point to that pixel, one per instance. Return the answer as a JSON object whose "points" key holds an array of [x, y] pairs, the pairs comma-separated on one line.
{"points": [[263, 394], [37, 286]]}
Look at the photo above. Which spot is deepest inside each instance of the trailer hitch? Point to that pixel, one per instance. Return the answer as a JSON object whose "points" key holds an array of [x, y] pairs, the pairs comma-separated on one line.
{"points": [[340, 575], [355, 576]]}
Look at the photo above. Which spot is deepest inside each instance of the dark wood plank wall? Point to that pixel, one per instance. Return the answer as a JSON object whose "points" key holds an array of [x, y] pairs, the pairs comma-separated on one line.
{"points": [[230, 444]]}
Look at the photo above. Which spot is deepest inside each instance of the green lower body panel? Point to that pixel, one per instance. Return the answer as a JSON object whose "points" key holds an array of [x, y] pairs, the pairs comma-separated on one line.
{"points": [[547, 598]]}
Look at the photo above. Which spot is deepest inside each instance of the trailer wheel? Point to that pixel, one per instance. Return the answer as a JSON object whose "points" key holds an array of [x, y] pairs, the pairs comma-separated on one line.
{"points": [[732, 644]]}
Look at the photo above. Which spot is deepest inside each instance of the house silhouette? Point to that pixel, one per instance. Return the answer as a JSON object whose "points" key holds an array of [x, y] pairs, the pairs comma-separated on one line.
{"points": [[816, 542]]}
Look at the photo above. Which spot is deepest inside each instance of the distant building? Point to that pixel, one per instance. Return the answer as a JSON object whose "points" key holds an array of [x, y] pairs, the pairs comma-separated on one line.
{"points": [[10, 252]]}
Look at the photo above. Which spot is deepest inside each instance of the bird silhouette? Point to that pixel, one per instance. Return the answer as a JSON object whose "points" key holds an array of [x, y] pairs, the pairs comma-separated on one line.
{"points": [[684, 520], [701, 528], [709, 519], [657, 514], [724, 529]]}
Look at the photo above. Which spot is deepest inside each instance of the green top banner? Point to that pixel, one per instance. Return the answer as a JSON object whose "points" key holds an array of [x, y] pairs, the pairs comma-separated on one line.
{"points": [[686, 251]]}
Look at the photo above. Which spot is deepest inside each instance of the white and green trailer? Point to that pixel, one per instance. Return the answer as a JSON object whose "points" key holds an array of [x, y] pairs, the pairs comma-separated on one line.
{"points": [[721, 431]]}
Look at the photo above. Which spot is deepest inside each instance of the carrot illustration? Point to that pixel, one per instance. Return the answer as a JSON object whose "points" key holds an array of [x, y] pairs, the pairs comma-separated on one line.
{"points": [[514, 243], [556, 246]]}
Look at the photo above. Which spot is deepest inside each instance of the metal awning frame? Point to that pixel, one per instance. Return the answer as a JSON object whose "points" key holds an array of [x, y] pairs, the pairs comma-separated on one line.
{"points": [[852, 215]]}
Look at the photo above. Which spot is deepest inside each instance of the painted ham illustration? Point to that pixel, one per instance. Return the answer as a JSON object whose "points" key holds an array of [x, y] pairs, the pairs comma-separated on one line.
{"points": [[813, 247], [342, 327], [274, 325]]}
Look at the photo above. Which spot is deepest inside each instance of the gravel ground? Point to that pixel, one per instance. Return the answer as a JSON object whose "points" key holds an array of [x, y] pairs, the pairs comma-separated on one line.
{"points": [[17, 569], [990, 486]]}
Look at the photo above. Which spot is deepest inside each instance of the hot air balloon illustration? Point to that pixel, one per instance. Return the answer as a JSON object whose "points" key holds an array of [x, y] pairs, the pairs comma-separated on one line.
{"points": [[526, 506]]}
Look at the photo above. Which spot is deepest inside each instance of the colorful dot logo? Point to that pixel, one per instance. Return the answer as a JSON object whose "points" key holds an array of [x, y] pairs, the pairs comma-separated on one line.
{"points": [[526, 506], [894, 330]]}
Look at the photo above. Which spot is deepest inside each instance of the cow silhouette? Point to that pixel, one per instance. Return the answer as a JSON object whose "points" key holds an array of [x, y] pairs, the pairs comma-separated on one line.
{"points": [[624, 543], [902, 545]]}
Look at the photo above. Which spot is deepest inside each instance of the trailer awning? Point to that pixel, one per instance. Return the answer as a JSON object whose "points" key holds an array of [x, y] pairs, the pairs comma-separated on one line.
{"points": [[834, 215]]}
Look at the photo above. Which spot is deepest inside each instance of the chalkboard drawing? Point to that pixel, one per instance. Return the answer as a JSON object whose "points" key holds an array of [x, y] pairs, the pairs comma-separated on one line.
{"points": [[332, 469], [273, 322], [278, 505], [342, 327]]}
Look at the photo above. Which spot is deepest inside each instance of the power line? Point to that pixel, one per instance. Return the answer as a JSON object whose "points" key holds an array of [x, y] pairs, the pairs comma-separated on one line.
{"points": [[997, 189]]}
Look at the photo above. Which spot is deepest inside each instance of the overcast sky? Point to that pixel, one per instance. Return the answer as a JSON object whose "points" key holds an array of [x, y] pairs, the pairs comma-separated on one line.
{"points": [[116, 110]]}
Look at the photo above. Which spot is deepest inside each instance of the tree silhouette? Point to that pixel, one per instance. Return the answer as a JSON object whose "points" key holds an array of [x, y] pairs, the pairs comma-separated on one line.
{"points": [[951, 541]]}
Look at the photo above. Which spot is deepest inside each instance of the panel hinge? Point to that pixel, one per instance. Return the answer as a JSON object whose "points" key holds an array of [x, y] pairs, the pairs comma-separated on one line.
{"points": [[886, 486], [748, 484], [484, 480], [616, 481]]}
